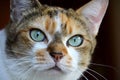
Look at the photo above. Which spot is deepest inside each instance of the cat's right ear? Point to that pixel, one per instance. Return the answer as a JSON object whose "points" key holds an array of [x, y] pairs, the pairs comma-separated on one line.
{"points": [[17, 7]]}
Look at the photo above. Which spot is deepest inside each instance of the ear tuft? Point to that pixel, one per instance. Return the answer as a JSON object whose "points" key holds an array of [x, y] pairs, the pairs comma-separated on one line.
{"points": [[94, 11]]}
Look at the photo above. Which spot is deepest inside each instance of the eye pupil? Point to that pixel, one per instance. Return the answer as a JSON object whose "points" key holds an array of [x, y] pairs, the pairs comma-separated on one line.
{"points": [[74, 40], [37, 35]]}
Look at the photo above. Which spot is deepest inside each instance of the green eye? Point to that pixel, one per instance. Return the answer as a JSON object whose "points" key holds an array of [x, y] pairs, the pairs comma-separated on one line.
{"points": [[37, 35], [75, 41]]}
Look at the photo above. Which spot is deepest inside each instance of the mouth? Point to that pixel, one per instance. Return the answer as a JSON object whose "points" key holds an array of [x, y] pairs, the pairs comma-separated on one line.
{"points": [[56, 68]]}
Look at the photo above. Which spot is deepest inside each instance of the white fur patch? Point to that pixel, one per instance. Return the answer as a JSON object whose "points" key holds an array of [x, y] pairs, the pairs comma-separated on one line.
{"points": [[39, 45], [2, 39], [4, 74], [58, 21]]}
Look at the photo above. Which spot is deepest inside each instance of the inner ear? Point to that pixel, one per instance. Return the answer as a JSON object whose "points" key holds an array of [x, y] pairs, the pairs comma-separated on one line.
{"points": [[94, 11], [17, 7]]}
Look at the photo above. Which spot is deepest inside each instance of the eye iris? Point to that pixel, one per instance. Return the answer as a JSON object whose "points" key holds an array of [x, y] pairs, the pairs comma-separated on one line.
{"points": [[37, 35], [75, 41]]}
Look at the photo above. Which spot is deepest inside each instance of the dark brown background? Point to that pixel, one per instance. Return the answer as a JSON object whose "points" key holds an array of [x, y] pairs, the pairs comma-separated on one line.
{"points": [[108, 48]]}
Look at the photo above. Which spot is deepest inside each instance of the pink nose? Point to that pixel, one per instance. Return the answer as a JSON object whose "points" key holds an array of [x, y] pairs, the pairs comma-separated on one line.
{"points": [[56, 56]]}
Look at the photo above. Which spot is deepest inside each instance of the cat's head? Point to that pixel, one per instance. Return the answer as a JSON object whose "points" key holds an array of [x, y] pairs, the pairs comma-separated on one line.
{"points": [[51, 40]]}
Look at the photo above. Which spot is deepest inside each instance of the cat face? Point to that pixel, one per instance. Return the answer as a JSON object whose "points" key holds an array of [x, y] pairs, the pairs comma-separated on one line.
{"points": [[49, 41], [57, 44]]}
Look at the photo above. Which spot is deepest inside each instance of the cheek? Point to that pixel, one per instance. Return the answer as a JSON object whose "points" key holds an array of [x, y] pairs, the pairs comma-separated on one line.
{"points": [[40, 53], [75, 57]]}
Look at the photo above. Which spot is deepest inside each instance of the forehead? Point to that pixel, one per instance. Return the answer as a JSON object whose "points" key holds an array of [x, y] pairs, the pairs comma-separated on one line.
{"points": [[59, 22]]}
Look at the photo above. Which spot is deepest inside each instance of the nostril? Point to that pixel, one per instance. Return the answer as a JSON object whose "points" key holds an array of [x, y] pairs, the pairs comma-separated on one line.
{"points": [[56, 56]]}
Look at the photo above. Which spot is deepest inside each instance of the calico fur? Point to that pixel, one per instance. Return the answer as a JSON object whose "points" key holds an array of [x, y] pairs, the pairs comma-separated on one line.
{"points": [[22, 58]]}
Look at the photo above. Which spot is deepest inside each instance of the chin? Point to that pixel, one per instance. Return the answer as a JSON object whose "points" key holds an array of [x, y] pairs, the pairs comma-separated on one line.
{"points": [[57, 75]]}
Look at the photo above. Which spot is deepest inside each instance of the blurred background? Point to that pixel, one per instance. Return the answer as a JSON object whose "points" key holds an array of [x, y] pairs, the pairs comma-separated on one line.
{"points": [[107, 52]]}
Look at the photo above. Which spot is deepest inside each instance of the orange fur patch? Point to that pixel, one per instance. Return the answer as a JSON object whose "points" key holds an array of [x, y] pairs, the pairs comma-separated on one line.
{"points": [[40, 55], [50, 25]]}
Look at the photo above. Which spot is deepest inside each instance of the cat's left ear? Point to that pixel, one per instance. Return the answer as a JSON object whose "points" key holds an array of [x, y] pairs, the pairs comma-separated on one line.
{"points": [[94, 11], [17, 7]]}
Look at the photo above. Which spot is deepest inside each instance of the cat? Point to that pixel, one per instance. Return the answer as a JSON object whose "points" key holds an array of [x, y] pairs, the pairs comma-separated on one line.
{"points": [[44, 42]]}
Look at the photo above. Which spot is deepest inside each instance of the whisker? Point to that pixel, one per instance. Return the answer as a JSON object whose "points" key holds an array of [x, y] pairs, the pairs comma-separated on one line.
{"points": [[12, 50], [97, 73], [91, 75], [27, 71], [30, 67], [102, 65], [26, 58], [16, 51], [20, 63], [84, 76]]}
